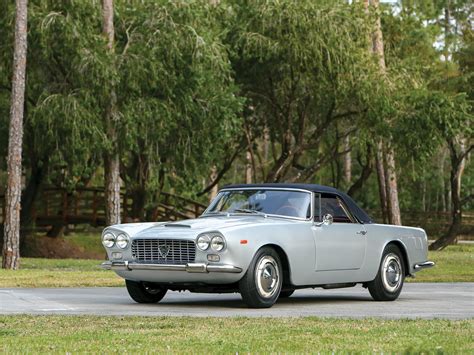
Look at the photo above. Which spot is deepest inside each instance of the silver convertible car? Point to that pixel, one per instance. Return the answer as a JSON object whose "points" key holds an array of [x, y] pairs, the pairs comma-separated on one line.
{"points": [[265, 241]]}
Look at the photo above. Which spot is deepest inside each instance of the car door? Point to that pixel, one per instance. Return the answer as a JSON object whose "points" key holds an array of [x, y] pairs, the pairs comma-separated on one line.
{"points": [[340, 245]]}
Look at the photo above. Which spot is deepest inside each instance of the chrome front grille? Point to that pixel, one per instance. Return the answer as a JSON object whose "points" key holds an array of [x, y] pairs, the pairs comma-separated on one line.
{"points": [[164, 251]]}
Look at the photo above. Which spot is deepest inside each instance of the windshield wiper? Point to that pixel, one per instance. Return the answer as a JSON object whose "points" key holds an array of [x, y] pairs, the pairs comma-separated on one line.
{"points": [[246, 210]]}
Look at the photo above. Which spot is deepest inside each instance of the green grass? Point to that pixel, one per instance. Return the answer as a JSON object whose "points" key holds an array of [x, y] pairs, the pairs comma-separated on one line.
{"points": [[39, 272], [72, 334], [454, 264]]}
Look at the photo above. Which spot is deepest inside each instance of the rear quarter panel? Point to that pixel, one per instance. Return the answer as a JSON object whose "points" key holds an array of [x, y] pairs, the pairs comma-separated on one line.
{"points": [[413, 242]]}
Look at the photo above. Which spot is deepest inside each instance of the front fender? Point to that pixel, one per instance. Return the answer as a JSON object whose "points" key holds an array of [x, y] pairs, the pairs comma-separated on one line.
{"points": [[293, 241]]}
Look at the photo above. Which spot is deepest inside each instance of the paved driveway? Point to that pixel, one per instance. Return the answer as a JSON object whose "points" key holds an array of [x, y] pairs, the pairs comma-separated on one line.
{"points": [[418, 300]]}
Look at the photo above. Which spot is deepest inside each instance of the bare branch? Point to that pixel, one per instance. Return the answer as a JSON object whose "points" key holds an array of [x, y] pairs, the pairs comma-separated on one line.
{"points": [[227, 165]]}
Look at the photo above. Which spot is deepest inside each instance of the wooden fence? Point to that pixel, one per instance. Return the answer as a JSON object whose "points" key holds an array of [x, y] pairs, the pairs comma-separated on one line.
{"points": [[55, 206]]}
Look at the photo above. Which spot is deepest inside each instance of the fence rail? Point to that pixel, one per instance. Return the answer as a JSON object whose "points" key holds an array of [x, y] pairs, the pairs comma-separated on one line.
{"points": [[59, 207]]}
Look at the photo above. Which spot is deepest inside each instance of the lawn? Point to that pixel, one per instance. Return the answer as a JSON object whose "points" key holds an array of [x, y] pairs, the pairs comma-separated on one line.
{"points": [[73, 334], [454, 264], [39, 272]]}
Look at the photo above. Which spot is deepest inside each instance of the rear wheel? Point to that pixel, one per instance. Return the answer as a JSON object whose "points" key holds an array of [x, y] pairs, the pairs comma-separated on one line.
{"points": [[145, 293], [388, 283], [261, 285]]}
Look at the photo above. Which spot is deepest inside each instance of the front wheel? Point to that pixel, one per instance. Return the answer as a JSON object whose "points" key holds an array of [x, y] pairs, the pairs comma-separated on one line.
{"points": [[388, 283], [261, 285], [144, 293]]}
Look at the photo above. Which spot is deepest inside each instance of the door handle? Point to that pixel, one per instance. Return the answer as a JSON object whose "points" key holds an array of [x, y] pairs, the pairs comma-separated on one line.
{"points": [[362, 232]]}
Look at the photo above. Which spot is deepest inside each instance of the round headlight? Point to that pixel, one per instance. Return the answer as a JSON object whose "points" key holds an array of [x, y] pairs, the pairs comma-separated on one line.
{"points": [[122, 241], [203, 242], [218, 243], [108, 240]]}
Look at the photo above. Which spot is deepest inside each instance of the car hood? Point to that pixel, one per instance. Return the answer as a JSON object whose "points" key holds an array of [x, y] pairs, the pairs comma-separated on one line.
{"points": [[218, 222], [192, 227]]}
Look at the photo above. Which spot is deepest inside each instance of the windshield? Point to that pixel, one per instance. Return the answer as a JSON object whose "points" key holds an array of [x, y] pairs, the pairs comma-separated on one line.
{"points": [[296, 204]]}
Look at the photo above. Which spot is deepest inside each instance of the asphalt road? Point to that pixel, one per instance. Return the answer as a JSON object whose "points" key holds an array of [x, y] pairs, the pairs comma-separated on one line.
{"points": [[418, 300]]}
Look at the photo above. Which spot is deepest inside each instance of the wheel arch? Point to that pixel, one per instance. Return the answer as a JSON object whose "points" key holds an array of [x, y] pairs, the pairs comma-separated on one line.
{"points": [[404, 252], [285, 264]]}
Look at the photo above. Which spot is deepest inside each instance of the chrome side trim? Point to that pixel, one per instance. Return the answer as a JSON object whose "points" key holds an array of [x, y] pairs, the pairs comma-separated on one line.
{"points": [[190, 267], [424, 265]]}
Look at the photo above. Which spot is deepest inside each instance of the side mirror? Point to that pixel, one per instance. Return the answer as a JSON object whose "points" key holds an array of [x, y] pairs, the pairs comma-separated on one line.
{"points": [[328, 219]]}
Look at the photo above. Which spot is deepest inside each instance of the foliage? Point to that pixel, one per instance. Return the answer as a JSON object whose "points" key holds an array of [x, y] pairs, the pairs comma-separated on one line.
{"points": [[287, 81], [300, 64], [176, 84]]}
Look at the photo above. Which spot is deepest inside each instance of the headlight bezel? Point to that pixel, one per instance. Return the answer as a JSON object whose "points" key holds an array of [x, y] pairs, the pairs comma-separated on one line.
{"points": [[219, 240], [205, 237], [207, 242], [123, 238], [108, 240]]}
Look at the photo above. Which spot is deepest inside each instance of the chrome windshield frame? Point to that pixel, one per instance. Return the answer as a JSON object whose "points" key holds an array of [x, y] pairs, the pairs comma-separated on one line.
{"points": [[267, 214]]}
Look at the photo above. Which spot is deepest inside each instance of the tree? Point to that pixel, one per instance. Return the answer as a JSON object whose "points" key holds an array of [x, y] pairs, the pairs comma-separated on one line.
{"points": [[111, 156], [300, 65], [386, 153], [11, 251], [176, 97]]}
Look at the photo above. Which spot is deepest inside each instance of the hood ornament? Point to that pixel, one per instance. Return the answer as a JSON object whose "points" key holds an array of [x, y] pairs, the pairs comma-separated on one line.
{"points": [[164, 250]]}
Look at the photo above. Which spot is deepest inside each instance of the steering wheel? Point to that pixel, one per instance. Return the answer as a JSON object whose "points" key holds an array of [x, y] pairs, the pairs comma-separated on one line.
{"points": [[291, 211]]}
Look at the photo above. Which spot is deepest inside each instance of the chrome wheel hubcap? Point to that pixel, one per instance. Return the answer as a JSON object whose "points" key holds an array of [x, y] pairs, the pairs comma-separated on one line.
{"points": [[392, 272], [267, 276]]}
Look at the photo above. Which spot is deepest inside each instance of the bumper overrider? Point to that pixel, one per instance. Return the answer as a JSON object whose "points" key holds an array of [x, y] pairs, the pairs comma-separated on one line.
{"points": [[190, 267], [424, 265]]}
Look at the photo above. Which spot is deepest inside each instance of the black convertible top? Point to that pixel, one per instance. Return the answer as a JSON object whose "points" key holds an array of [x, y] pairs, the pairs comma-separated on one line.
{"points": [[358, 212]]}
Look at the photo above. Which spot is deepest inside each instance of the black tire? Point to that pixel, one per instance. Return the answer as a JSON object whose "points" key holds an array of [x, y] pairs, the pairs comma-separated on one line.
{"points": [[286, 293], [261, 284], [144, 293], [388, 283]]}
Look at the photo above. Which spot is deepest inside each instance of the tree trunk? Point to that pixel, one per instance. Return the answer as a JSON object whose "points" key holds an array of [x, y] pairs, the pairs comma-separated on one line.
{"points": [[28, 199], [215, 188], [11, 247], [457, 168], [364, 175], [136, 176], [381, 181], [112, 158], [112, 189], [266, 143], [137, 210], [33, 187], [394, 216], [347, 160], [442, 162], [248, 167]]}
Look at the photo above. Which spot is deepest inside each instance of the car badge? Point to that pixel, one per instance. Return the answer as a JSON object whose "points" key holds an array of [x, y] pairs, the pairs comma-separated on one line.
{"points": [[164, 250]]}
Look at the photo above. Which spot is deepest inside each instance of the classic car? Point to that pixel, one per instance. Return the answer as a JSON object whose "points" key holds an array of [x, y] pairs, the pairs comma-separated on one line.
{"points": [[265, 241]]}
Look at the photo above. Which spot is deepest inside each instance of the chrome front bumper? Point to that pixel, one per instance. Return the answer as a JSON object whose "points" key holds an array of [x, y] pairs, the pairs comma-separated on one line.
{"points": [[424, 265], [190, 267]]}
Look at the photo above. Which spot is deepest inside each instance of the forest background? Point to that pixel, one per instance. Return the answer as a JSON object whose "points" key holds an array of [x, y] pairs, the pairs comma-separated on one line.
{"points": [[186, 96]]}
